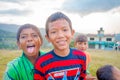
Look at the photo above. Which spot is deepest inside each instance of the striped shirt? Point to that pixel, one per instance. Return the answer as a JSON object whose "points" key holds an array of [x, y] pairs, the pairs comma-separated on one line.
{"points": [[19, 69], [53, 67]]}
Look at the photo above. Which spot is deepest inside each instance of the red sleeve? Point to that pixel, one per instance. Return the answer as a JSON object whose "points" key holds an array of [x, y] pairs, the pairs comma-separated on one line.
{"points": [[83, 70], [38, 73]]}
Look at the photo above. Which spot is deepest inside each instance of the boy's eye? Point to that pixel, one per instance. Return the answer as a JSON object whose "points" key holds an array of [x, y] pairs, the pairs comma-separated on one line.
{"points": [[35, 35], [79, 43], [64, 29], [53, 32], [85, 43]]}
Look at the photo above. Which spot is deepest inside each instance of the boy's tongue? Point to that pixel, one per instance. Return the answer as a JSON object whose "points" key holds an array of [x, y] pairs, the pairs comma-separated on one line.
{"points": [[30, 49]]}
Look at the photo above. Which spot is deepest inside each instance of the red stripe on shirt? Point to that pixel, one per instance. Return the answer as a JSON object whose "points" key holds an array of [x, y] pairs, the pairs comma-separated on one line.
{"points": [[62, 63], [41, 60]]}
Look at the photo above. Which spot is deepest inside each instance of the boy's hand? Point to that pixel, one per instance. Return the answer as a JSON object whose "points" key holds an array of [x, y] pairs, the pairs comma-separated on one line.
{"points": [[90, 77]]}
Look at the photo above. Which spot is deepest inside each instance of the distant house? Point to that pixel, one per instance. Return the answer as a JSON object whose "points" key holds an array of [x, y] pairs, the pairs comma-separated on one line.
{"points": [[117, 42], [101, 40]]}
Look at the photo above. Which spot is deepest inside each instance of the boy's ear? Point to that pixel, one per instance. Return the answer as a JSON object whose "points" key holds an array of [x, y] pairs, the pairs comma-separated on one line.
{"points": [[73, 32], [75, 44], [47, 37], [18, 44]]}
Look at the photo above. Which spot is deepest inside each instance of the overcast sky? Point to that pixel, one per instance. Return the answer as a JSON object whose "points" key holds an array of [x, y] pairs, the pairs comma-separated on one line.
{"points": [[87, 16]]}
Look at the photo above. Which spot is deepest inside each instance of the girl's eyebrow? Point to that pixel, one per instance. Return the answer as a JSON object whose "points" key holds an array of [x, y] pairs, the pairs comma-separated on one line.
{"points": [[23, 34], [27, 34]]}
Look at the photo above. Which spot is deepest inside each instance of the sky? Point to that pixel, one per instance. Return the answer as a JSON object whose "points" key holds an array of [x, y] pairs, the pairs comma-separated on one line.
{"points": [[87, 16]]}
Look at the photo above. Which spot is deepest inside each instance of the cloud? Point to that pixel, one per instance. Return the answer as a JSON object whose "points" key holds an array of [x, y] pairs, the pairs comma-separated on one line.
{"points": [[89, 6], [15, 12], [16, 1], [12, 8]]}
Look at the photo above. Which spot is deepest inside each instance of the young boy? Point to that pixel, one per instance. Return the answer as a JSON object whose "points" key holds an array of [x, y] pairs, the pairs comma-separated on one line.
{"points": [[62, 63], [29, 40], [81, 43], [108, 72]]}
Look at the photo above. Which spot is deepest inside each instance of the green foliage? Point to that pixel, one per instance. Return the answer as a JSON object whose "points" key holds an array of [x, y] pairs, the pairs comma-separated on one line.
{"points": [[7, 40], [72, 44]]}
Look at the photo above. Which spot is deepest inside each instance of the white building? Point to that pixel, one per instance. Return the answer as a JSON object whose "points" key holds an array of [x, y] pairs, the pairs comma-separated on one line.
{"points": [[101, 40]]}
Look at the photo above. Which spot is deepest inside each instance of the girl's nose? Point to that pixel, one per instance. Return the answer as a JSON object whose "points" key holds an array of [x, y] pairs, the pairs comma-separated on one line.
{"points": [[29, 38]]}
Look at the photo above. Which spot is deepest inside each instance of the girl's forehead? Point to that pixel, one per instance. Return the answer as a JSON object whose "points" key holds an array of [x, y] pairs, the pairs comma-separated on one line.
{"points": [[28, 30]]}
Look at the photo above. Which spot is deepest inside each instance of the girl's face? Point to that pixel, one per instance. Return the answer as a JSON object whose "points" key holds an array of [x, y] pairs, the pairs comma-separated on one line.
{"points": [[29, 42], [60, 34]]}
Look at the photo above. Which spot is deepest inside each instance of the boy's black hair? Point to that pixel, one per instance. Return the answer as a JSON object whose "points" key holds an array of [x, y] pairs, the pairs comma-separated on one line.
{"points": [[105, 73], [25, 26], [81, 38], [57, 16]]}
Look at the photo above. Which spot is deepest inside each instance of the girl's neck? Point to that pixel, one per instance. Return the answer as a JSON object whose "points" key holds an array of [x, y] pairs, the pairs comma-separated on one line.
{"points": [[33, 59]]}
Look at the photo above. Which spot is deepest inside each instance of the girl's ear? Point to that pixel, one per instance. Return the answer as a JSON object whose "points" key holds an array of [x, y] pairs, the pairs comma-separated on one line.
{"points": [[18, 44]]}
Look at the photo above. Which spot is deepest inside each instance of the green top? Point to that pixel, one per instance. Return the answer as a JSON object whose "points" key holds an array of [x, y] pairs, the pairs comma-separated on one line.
{"points": [[19, 69]]}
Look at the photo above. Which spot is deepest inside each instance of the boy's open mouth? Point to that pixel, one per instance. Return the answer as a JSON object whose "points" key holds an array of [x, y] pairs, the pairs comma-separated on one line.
{"points": [[30, 48]]}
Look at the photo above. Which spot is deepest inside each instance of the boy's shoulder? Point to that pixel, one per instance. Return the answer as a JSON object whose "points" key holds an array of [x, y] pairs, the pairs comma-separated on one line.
{"points": [[78, 52], [45, 57]]}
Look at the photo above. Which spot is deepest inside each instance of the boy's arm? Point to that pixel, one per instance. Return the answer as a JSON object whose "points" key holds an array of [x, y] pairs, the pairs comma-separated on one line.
{"points": [[88, 68], [38, 72], [83, 71], [37, 75]]}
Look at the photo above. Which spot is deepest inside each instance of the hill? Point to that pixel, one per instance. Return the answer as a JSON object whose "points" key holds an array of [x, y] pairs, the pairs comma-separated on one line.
{"points": [[8, 36], [9, 27], [7, 40]]}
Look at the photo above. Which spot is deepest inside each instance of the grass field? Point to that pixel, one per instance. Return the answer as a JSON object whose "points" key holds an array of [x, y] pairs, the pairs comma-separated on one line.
{"points": [[99, 58]]}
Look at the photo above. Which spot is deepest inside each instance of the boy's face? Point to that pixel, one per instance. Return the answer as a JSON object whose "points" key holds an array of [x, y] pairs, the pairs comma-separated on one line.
{"points": [[116, 73], [60, 34], [81, 45], [29, 42]]}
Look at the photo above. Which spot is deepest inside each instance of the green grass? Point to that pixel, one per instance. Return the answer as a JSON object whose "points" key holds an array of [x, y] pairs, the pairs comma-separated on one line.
{"points": [[5, 57], [99, 58]]}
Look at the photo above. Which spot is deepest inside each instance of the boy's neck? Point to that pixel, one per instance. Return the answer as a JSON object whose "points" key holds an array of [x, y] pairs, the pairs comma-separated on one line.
{"points": [[62, 53]]}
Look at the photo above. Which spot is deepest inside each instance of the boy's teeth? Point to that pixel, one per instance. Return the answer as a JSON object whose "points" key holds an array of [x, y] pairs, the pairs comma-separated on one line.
{"points": [[61, 42]]}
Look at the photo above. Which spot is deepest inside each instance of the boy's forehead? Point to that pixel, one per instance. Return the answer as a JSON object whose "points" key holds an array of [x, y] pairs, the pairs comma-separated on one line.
{"points": [[116, 73], [81, 38], [82, 41], [61, 23]]}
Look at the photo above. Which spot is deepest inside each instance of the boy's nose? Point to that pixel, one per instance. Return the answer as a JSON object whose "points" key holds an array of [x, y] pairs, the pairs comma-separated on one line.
{"points": [[82, 46], [60, 34]]}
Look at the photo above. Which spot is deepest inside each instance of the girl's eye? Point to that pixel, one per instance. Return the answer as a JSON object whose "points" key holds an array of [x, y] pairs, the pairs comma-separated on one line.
{"points": [[23, 37]]}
